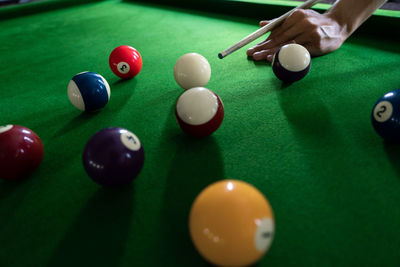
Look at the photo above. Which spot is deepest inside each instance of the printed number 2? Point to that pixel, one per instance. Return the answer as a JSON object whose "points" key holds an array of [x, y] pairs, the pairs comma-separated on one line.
{"points": [[382, 110]]}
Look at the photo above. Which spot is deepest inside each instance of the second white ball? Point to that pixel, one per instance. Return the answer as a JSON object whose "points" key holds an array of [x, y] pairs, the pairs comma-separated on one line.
{"points": [[192, 70]]}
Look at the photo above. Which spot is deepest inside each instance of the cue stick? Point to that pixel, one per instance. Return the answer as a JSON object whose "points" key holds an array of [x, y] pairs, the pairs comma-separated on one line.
{"points": [[263, 30]]}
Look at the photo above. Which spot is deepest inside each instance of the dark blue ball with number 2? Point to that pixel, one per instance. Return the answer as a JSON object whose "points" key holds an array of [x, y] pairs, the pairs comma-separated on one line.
{"points": [[386, 116]]}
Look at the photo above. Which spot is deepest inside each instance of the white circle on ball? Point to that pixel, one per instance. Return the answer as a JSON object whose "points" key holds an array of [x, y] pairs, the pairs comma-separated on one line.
{"points": [[294, 57], [5, 128], [192, 70], [197, 106], [264, 234], [130, 140], [123, 67], [107, 86], [75, 96], [383, 111]]}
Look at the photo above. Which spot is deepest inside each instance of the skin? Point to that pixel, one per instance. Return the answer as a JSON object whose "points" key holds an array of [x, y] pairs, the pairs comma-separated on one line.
{"points": [[319, 33]]}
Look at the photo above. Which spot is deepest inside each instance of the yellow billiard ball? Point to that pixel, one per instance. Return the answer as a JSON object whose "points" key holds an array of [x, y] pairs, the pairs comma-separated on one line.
{"points": [[231, 223]]}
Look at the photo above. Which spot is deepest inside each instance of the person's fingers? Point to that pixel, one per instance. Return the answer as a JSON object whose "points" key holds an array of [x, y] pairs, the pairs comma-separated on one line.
{"points": [[268, 54], [251, 50], [312, 41], [258, 47], [294, 19], [318, 33], [284, 33], [260, 55], [265, 54], [297, 27], [276, 39]]}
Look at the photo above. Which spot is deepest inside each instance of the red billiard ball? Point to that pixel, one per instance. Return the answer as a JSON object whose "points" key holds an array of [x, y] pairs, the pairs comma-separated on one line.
{"points": [[21, 152], [125, 61], [199, 111]]}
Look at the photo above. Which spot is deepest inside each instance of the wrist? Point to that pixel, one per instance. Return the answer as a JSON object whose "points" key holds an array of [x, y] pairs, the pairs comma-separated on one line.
{"points": [[344, 27]]}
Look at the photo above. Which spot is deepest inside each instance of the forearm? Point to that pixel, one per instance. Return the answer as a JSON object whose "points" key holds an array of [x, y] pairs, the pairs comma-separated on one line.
{"points": [[350, 14]]}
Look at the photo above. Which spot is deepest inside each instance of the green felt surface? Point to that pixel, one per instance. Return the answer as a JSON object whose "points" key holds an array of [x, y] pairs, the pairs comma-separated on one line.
{"points": [[334, 185]]}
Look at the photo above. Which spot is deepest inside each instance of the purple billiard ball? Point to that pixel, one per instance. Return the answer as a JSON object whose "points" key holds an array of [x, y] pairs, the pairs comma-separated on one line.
{"points": [[291, 63], [113, 157]]}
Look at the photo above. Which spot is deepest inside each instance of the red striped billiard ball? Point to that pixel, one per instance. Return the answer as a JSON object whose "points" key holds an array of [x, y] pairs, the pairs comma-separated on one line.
{"points": [[125, 61], [199, 111], [291, 63], [21, 152]]}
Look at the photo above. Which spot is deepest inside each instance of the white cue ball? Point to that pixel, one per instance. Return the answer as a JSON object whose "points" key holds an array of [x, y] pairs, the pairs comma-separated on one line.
{"points": [[192, 70]]}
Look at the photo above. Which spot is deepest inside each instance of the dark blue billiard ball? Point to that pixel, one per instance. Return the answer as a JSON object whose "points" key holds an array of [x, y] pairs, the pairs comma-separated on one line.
{"points": [[386, 116], [88, 91], [113, 157], [291, 63]]}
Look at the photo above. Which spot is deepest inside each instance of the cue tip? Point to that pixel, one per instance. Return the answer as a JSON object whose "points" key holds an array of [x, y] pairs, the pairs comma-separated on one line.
{"points": [[220, 56]]}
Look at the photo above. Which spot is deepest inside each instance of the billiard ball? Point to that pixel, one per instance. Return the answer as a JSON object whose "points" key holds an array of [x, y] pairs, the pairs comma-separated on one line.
{"points": [[21, 152], [125, 61], [192, 70], [385, 116], [199, 111], [231, 223], [291, 63], [88, 91], [113, 157]]}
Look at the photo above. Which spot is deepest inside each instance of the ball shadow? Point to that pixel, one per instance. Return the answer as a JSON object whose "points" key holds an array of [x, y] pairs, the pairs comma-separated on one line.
{"points": [[122, 91], [118, 81], [196, 163], [393, 153], [12, 194], [307, 115], [99, 233], [75, 122]]}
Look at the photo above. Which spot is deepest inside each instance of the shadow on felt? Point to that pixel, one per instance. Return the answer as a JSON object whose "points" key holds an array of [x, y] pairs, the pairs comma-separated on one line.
{"points": [[76, 122], [195, 164], [393, 153], [306, 113], [99, 233]]}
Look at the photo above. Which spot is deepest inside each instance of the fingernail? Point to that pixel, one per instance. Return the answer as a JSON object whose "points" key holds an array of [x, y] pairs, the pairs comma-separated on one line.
{"points": [[256, 55], [269, 58]]}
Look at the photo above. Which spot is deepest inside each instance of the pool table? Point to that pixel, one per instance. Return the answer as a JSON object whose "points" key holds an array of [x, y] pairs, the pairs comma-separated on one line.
{"points": [[309, 147]]}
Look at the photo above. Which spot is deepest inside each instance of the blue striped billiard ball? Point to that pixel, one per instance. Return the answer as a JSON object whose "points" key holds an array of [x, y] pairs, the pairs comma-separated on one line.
{"points": [[291, 63], [386, 116], [88, 91]]}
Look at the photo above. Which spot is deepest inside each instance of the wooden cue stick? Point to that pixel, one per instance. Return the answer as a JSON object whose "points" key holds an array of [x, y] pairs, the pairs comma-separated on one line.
{"points": [[263, 30]]}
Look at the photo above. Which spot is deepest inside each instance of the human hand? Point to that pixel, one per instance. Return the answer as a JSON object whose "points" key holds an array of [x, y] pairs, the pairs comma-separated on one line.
{"points": [[318, 33]]}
